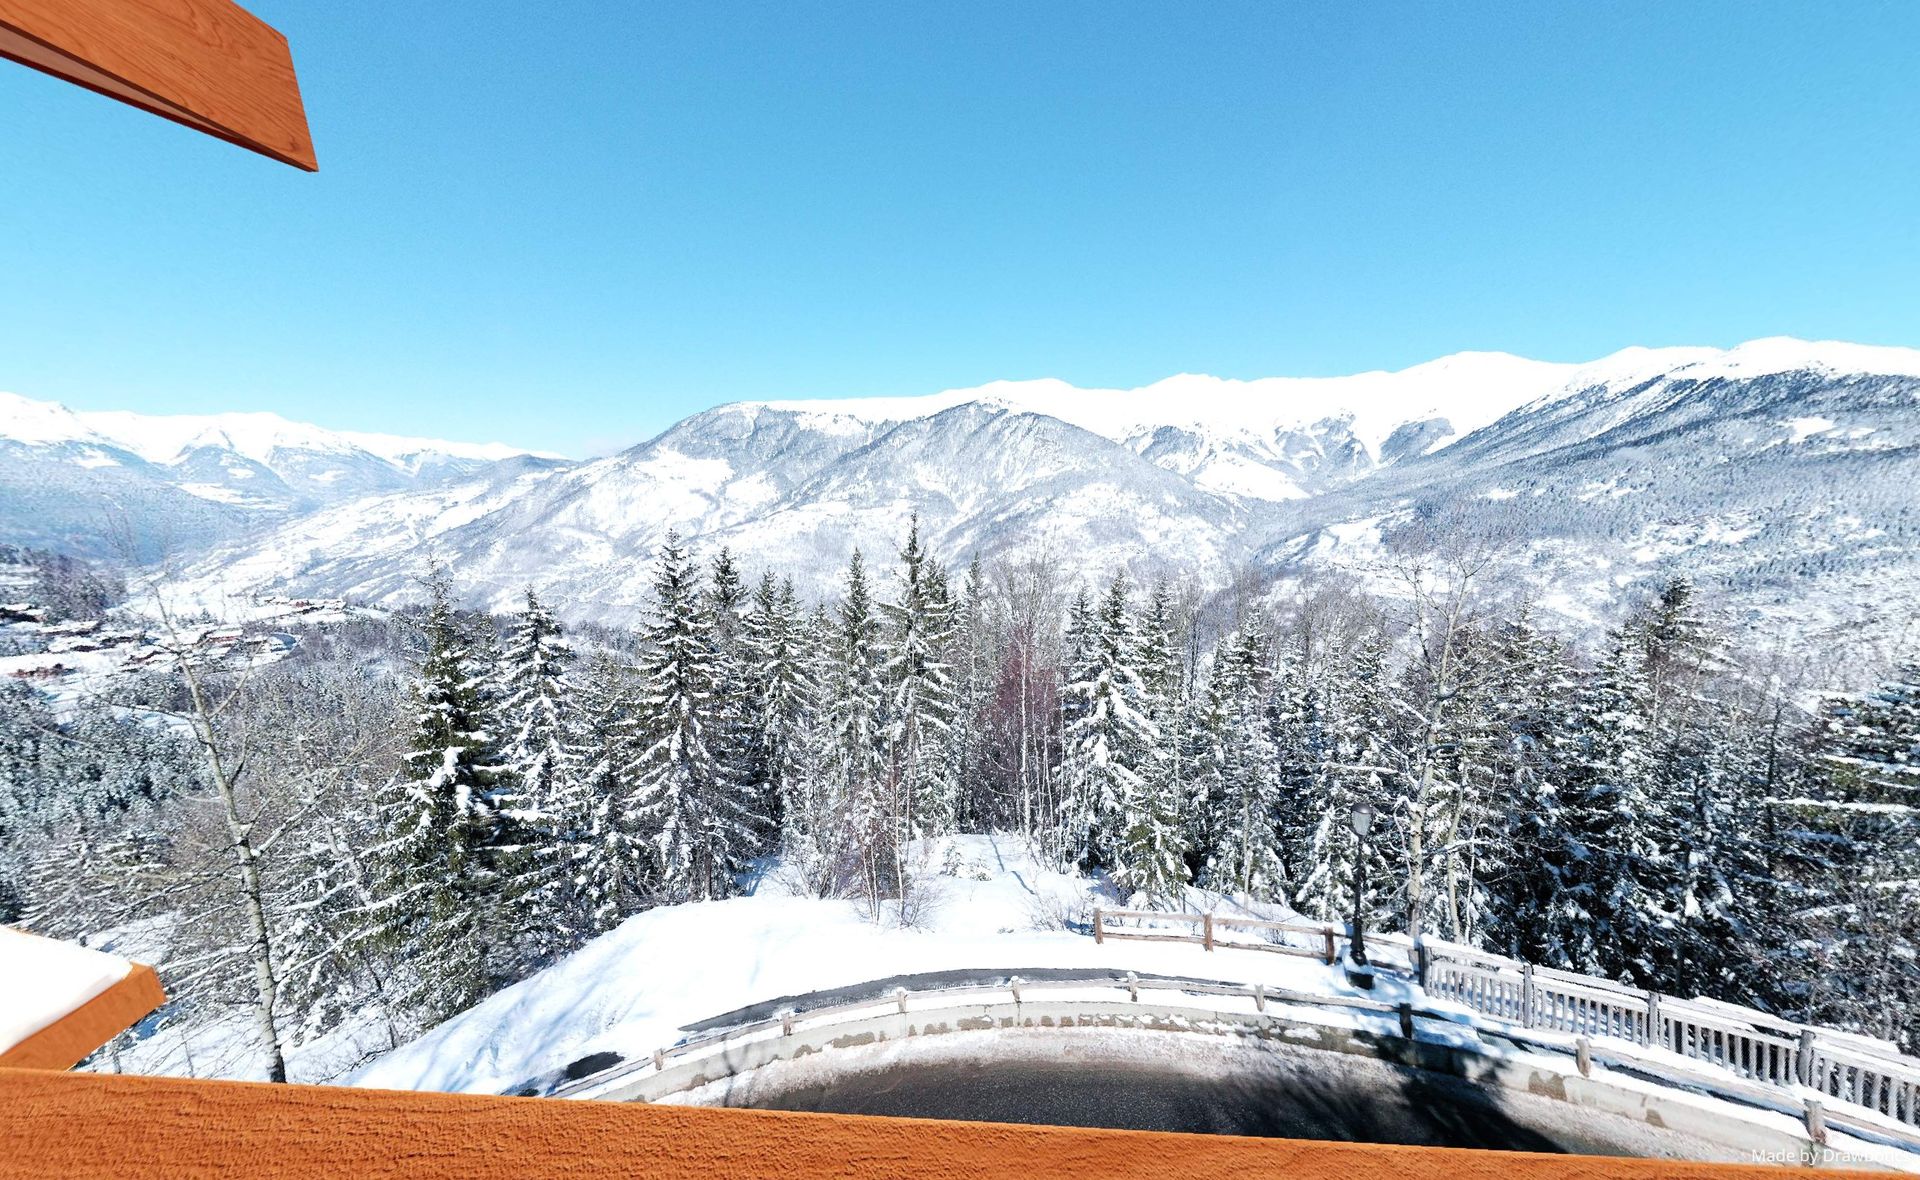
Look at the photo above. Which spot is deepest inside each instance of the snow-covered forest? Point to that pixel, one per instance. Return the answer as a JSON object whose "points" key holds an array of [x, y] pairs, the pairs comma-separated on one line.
{"points": [[417, 810]]}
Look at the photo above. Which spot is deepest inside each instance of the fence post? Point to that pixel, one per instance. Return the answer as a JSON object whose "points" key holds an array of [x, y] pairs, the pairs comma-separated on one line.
{"points": [[1099, 926], [659, 1059], [1207, 928], [1526, 996], [786, 1023], [1013, 985], [1816, 1122], [1803, 1061], [1422, 960], [1327, 931], [1133, 987], [900, 997], [1583, 1056], [1653, 1018], [1406, 1021], [1260, 997]]}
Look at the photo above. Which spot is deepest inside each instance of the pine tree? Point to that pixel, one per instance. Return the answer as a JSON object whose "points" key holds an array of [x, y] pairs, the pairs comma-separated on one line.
{"points": [[1241, 761], [440, 895], [777, 690], [535, 708], [1359, 769], [611, 860], [1533, 690], [919, 685], [1108, 735], [1611, 865], [815, 832], [1862, 919], [700, 829], [856, 716], [1153, 848], [971, 657]]}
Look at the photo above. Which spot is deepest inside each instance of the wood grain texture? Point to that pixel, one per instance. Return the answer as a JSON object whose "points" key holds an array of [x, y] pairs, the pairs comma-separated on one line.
{"points": [[208, 64], [92, 1125], [67, 1041]]}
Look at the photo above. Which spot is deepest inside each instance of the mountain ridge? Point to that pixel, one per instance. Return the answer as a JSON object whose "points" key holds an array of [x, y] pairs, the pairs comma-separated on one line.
{"points": [[1777, 470]]}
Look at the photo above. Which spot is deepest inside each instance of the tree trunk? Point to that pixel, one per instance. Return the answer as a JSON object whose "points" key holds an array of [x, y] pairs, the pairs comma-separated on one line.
{"points": [[252, 892]]}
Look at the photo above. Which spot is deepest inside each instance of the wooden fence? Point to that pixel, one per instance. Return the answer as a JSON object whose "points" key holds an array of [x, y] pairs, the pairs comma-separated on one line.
{"points": [[1744, 1042]]}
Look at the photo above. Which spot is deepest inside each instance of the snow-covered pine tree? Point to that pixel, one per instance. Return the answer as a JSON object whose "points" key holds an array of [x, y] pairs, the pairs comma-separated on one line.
{"points": [[1464, 813], [920, 702], [440, 893], [611, 872], [731, 733], [1359, 767], [1863, 915], [777, 692], [856, 712], [535, 711], [1532, 688], [970, 652], [699, 827], [1153, 847], [1245, 859], [815, 836], [1108, 735], [1611, 866], [1296, 724]]}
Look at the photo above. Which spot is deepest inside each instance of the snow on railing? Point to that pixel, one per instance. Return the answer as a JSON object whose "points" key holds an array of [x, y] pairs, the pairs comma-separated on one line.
{"points": [[1743, 1042]]}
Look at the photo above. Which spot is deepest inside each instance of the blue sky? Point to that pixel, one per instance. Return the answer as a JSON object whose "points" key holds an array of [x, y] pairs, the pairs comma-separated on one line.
{"points": [[568, 231]]}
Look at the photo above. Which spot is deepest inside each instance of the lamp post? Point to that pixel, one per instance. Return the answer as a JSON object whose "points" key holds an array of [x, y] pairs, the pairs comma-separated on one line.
{"points": [[1361, 821]]}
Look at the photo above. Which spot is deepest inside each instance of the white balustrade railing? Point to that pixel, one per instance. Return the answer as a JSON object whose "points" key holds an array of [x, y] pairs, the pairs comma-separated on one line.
{"points": [[1742, 1042]]}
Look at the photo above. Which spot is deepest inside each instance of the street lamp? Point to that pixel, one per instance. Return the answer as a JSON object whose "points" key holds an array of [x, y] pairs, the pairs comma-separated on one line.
{"points": [[1361, 821]]}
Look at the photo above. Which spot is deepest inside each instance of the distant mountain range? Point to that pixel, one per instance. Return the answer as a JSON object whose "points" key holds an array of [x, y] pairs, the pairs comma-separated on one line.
{"points": [[1781, 473], [107, 483]]}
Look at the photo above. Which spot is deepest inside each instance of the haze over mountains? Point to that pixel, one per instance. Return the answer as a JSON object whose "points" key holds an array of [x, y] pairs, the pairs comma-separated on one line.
{"points": [[101, 483], [1780, 473]]}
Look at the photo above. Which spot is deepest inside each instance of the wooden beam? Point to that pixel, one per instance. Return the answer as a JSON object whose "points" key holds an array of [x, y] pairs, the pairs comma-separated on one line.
{"points": [[208, 64], [67, 1041], [78, 1126]]}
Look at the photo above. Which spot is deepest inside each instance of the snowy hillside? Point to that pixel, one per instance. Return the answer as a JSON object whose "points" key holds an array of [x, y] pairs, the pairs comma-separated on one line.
{"points": [[93, 482], [995, 907]]}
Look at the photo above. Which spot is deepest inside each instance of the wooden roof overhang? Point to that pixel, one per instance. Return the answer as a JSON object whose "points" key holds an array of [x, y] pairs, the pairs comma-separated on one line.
{"points": [[208, 64]]}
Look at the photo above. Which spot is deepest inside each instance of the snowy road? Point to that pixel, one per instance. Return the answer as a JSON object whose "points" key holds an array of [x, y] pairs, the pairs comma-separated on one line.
{"points": [[1189, 1082]]}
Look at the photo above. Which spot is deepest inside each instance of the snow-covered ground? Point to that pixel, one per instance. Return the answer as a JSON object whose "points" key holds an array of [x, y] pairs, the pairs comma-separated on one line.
{"points": [[989, 905]]}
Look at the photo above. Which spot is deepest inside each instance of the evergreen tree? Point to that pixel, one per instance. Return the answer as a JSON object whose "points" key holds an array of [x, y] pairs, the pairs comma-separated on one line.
{"points": [[971, 657], [1108, 734], [1241, 760], [1358, 769], [535, 705], [1533, 690], [856, 716], [777, 692], [919, 685], [1862, 918], [441, 896], [611, 871], [1610, 863], [700, 828], [1153, 848]]}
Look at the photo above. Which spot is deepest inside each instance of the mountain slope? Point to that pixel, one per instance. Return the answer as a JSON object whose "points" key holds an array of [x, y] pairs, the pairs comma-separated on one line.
{"points": [[1780, 471], [110, 482]]}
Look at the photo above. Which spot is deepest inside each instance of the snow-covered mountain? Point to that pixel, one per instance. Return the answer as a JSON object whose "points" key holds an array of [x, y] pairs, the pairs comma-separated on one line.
{"points": [[1781, 471], [99, 481]]}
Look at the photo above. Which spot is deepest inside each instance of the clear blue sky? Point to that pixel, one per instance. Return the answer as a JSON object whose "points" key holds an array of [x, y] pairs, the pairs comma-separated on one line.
{"points": [[569, 225]]}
